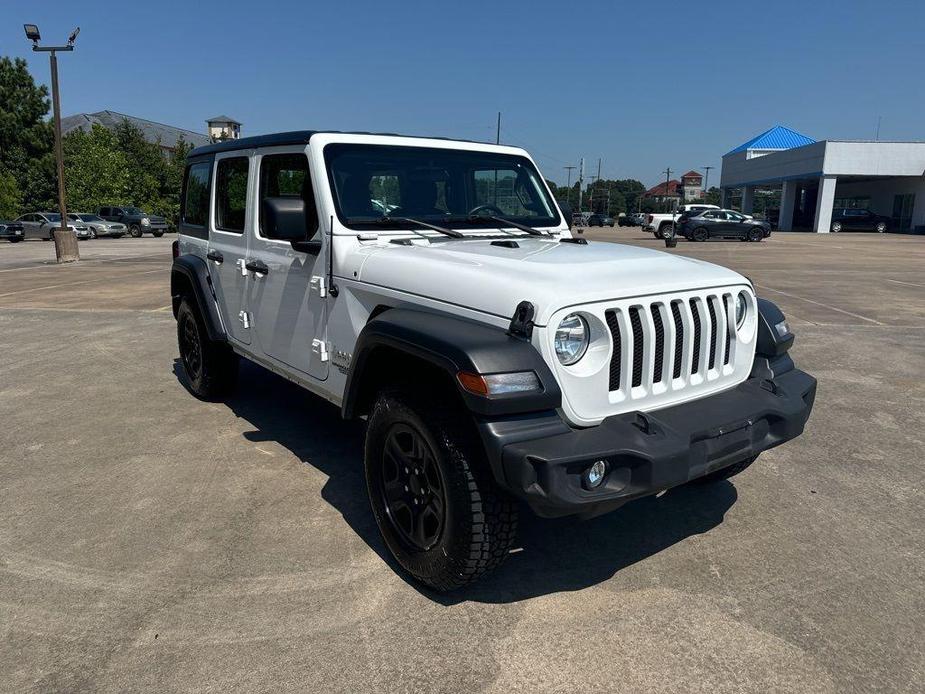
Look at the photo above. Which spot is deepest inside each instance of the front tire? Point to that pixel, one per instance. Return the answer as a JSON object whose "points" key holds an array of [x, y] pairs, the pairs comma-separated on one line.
{"points": [[211, 368], [881, 227], [134, 231], [754, 235], [431, 493], [836, 227]]}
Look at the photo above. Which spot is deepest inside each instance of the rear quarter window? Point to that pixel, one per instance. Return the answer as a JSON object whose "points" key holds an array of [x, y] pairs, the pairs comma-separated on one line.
{"points": [[195, 210]]}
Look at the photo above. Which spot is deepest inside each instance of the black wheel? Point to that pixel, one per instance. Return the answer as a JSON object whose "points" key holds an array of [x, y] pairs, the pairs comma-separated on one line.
{"points": [[437, 507], [726, 472], [135, 231], [754, 235], [157, 234], [92, 233], [880, 228], [211, 368], [700, 234], [836, 227], [14, 240]]}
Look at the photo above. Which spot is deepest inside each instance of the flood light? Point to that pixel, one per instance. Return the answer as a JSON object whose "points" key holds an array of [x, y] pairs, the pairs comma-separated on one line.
{"points": [[32, 32]]}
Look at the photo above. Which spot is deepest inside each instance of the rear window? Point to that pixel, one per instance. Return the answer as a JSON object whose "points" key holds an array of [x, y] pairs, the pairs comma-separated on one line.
{"points": [[196, 194], [231, 194]]}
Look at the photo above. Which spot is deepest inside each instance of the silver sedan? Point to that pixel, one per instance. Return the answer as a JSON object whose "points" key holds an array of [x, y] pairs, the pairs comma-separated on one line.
{"points": [[42, 225], [99, 226]]}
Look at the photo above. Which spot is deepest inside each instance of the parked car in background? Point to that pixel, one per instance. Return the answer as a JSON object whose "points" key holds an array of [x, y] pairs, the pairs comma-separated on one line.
{"points": [[600, 220], [709, 224], [42, 225], [856, 219], [626, 220], [99, 226], [660, 223], [639, 219], [137, 221], [580, 219], [11, 231]]}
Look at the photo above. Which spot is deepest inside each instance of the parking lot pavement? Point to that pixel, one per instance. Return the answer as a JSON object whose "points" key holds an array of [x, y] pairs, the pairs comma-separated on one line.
{"points": [[149, 541]]}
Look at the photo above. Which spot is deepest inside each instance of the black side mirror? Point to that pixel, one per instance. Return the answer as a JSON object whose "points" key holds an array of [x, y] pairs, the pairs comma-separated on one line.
{"points": [[566, 212], [284, 219]]}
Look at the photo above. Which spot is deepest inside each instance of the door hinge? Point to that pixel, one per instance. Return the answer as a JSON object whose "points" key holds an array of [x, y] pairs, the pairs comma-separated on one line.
{"points": [[245, 319], [241, 263], [318, 284], [320, 348]]}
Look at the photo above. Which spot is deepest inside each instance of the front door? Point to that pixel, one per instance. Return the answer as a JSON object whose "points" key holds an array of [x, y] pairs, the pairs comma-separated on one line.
{"points": [[287, 293], [227, 250]]}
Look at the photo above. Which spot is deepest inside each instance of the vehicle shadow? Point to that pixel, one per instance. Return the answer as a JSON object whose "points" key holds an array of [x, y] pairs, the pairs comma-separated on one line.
{"points": [[551, 555]]}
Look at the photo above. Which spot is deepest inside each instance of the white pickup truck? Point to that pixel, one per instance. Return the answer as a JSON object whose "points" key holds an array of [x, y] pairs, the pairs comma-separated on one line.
{"points": [[660, 224]]}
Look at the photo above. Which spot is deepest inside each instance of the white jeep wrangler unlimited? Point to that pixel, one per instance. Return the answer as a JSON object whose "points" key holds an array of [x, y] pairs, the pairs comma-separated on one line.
{"points": [[433, 287]]}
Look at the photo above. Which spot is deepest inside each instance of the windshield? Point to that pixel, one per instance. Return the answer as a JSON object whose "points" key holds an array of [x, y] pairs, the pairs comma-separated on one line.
{"points": [[442, 186], [89, 217]]}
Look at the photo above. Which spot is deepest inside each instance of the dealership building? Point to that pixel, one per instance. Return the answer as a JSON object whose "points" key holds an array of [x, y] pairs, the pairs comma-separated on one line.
{"points": [[815, 178]]}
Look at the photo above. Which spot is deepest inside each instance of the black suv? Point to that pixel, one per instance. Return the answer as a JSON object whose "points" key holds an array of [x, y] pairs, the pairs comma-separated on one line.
{"points": [[137, 221], [600, 220], [707, 224], [850, 219]]}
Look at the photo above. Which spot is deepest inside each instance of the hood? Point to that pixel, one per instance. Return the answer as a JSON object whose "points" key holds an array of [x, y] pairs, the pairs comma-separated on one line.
{"points": [[549, 274]]}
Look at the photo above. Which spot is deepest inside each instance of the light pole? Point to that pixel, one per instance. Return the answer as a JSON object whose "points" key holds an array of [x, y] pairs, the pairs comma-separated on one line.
{"points": [[706, 180], [66, 249], [568, 186]]}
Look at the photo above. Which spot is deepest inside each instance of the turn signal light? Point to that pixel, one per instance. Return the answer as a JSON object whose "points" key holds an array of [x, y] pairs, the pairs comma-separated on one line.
{"points": [[499, 384]]}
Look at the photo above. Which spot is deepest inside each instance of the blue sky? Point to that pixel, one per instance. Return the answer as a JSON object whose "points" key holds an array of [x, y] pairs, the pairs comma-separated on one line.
{"points": [[642, 85]]}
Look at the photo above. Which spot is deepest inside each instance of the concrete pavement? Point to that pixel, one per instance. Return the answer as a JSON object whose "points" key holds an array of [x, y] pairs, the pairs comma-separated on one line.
{"points": [[149, 541]]}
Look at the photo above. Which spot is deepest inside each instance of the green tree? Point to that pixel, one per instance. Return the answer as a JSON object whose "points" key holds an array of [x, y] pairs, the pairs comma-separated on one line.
{"points": [[10, 196], [712, 196], [146, 170], [95, 170], [26, 138]]}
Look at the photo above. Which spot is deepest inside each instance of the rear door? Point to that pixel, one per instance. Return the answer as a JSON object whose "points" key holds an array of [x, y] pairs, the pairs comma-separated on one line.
{"points": [[287, 293], [226, 253]]}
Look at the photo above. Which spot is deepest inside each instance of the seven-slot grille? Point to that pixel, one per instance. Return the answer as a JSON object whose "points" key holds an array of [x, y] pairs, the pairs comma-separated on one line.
{"points": [[668, 343]]}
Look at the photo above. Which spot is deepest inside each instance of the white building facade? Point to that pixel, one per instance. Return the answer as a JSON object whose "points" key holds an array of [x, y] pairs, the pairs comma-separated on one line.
{"points": [[815, 178]]}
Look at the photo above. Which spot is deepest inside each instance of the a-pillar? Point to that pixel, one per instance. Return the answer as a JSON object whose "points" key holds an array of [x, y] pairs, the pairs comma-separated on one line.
{"points": [[788, 199], [824, 203], [748, 199]]}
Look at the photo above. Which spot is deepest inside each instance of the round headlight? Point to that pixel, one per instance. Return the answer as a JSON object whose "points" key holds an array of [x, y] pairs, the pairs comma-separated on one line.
{"points": [[572, 337], [741, 309]]}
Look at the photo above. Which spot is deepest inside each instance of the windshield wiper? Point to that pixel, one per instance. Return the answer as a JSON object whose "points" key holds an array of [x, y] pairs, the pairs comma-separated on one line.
{"points": [[421, 223], [510, 223]]}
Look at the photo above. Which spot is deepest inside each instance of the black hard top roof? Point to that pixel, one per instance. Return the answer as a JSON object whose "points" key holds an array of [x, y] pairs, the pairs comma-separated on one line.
{"points": [[295, 137]]}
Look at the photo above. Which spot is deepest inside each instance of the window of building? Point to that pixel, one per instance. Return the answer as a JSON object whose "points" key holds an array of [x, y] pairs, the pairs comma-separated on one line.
{"points": [[902, 211]]}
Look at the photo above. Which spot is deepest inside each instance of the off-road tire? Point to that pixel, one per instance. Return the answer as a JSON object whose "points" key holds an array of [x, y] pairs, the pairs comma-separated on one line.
{"points": [[135, 231], [727, 472], [211, 370], [700, 234], [479, 521]]}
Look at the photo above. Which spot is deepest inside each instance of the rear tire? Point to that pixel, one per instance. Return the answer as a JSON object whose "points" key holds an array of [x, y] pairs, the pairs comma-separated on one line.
{"points": [[433, 497], [726, 472], [836, 227], [157, 234], [211, 368], [755, 235], [664, 231], [880, 228], [700, 234]]}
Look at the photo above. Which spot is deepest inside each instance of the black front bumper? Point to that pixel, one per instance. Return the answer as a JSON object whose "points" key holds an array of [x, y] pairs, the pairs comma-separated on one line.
{"points": [[542, 460]]}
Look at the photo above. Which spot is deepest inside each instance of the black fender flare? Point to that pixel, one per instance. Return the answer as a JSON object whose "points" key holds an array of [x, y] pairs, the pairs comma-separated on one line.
{"points": [[772, 343], [454, 344], [191, 270]]}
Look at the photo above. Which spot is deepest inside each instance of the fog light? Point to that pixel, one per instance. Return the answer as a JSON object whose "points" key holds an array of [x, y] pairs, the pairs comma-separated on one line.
{"points": [[594, 475]]}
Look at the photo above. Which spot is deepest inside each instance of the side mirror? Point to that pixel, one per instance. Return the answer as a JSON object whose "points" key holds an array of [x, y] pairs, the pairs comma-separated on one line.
{"points": [[284, 219], [566, 210]]}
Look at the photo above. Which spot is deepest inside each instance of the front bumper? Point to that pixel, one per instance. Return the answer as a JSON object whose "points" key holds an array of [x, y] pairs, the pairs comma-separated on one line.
{"points": [[541, 459]]}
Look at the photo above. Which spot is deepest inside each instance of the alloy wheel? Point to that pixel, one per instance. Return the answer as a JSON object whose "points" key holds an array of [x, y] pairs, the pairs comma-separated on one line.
{"points": [[413, 488], [191, 348]]}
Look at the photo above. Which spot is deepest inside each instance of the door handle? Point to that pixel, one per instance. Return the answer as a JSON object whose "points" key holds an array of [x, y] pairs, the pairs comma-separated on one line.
{"points": [[215, 256], [258, 267]]}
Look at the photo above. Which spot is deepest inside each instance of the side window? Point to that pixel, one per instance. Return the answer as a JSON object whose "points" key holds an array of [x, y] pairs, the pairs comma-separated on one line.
{"points": [[286, 176], [231, 194], [196, 194]]}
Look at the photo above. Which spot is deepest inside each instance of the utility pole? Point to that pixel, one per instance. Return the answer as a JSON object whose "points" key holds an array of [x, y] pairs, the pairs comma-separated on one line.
{"points": [[568, 186], [581, 178], [66, 250], [498, 132], [594, 180], [706, 179]]}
